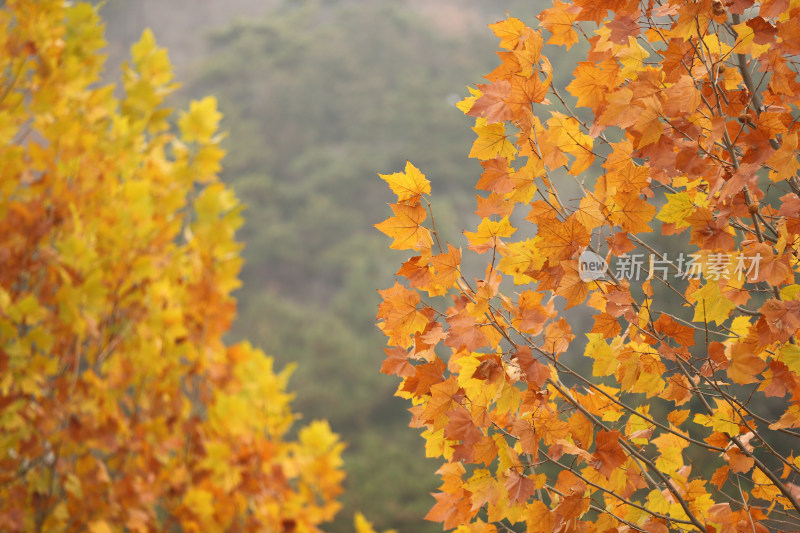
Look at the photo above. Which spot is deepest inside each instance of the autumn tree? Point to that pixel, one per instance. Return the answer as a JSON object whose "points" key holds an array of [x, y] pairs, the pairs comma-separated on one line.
{"points": [[121, 408], [626, 359]]}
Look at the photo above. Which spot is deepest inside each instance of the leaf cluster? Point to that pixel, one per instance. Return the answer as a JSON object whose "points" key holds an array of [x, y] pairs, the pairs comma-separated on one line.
{"points": [[681, 414]]}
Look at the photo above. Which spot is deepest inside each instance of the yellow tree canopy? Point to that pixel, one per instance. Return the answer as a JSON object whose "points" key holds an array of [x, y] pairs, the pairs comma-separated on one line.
{"points": [[120, 406]]}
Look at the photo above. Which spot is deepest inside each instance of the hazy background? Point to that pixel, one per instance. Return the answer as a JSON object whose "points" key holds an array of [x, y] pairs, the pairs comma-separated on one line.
{"points": [[318, 98]]}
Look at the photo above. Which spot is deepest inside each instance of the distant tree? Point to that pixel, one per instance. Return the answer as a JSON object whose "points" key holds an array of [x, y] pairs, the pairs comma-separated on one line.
{"points": [[121, 408], [677, 408], [315, 98]]}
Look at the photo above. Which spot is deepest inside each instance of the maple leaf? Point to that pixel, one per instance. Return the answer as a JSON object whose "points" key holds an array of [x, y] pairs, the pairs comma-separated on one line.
{"points": [[520, 488], [425, 376], [406, 229], [606, 325], [670, 447], [608, 452], [488, 234], [492, 103], [538, 518], [201, 121], [560, 240], [400, 315], [739, 462], [591, 83], [605, 360], [558, 20], [666, 325], [461, 427], [397, 362], [632, 213], [711, 305], [466, 104], [744, 365], [789, 419], [451, 509], [496, 176], [778, 380], [574, 504], [446, 268], [526, 91], [784, 162], [535, 372], [678, 208], [678, 389], [492, 142], [409, 186], [509, 31], [648, 126], [723, 419], [782, 318], [558, 335], [494, 204], [623, 27], [463, 332], [417, 271], [772, 8], [445, 396]]}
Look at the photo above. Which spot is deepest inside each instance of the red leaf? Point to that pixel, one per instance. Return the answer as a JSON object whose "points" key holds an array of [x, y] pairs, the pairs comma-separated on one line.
{"points": [[535, 372], [608, 452], [763, 31], [520, 488], [396, 363], [491, 105]]}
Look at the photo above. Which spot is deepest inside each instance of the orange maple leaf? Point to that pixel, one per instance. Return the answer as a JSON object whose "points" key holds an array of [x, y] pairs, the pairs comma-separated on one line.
{"points": [[509, 31], [558, 335], [744, 365], [406, 228], [397, 363], [446, 267], [558, 20], [400, 315]]}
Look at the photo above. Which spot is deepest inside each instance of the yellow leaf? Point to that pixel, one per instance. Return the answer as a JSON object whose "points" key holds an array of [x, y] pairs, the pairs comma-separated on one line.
{"points": [[509, 31], [670, 448], [466, 104], [492, 142], [405, 228], [711, 305], [790, 356], [605, 360], [100, 526], [518, 258], [364, 526], [723, 420], [436, 445], [488, 230], [408, 185], [764, 488], [200, 123], [678, 207]]}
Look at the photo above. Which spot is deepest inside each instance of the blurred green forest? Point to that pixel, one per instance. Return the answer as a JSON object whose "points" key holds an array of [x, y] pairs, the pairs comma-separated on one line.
{"points": [[317, 98]]}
